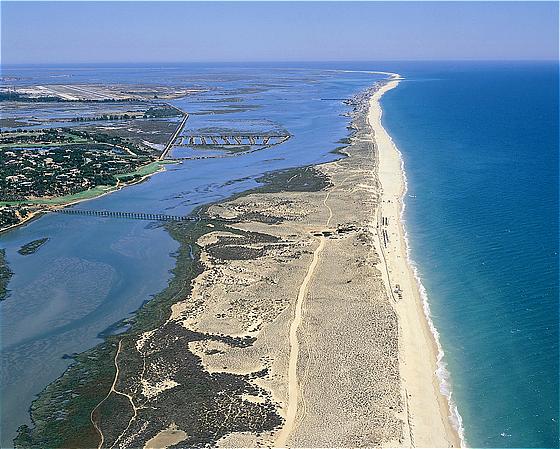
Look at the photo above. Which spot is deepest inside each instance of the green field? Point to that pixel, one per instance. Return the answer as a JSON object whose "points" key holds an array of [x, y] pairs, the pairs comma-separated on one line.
{"points": [[145, 170], [86, 194]]}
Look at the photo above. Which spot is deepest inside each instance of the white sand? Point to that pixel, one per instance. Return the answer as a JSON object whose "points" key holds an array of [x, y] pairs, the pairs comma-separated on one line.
{"points": [[428, 409]]}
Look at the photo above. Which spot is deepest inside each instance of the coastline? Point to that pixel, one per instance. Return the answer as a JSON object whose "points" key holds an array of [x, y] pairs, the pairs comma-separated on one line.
{"points": [[435, 418], [328, 362]]}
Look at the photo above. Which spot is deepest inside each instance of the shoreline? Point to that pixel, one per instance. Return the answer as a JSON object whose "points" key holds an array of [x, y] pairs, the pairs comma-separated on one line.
{"points": [[435, 417], [223, 327], [92, 370], [239, 335], [47, 208]]}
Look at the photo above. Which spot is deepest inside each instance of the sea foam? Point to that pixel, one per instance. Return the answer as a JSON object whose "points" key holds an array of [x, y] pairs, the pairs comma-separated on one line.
{"points": [[442, 373]]}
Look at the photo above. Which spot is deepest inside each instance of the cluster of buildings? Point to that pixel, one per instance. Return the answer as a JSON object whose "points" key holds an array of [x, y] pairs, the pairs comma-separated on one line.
{"points": [[35, 173]]}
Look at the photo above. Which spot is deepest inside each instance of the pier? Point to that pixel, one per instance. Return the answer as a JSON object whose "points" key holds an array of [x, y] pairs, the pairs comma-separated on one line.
{"points": [[232, 139]]}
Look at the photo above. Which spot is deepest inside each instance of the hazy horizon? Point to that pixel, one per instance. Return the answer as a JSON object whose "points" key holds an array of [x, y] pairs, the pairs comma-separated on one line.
{"points": [[264, 63], [281, 32]]}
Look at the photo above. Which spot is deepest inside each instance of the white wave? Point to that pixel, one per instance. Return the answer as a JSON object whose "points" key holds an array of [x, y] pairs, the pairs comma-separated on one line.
{"points": [[442, 372]]}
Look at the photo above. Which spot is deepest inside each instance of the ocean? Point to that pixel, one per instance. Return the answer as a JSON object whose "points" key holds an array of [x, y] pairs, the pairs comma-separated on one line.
{"points": [[480, 147]]}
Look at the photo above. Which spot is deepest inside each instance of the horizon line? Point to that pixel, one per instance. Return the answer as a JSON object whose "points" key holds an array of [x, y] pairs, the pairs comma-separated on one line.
{"points": [[271, 61]]}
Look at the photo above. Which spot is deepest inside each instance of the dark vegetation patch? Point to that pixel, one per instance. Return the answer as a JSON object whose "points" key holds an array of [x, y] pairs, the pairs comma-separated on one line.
{"points": [[306, 179], [200, 405], [235, 248], [61, 413], [161, 111], [246, 238], [235, 252], [32, 247], [15, 96], [205, 405], [259, 217]]}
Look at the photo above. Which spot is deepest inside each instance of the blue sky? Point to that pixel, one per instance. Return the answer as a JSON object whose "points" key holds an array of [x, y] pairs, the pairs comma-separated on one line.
{"points": [[69, 32]]}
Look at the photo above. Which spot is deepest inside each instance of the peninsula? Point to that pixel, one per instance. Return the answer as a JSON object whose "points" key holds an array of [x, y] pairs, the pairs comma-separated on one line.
{"points": [[293, 320], [279, 224]]}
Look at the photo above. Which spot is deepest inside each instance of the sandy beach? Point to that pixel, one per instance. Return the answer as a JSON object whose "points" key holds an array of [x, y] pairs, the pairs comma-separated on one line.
{"points": [[429, 409], [352, 362]]}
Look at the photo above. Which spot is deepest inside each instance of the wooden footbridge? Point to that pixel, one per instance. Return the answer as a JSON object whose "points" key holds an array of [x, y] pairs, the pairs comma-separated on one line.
{"points": [[129, 215], [232, 139]]}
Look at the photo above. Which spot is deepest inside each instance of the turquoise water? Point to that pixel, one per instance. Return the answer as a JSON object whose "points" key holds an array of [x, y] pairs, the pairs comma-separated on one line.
{"points": [[480, 145]]}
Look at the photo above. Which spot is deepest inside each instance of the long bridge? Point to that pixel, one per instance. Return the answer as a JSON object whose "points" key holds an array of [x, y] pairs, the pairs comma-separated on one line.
{"points": [[129, 215], [173, 138]]}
